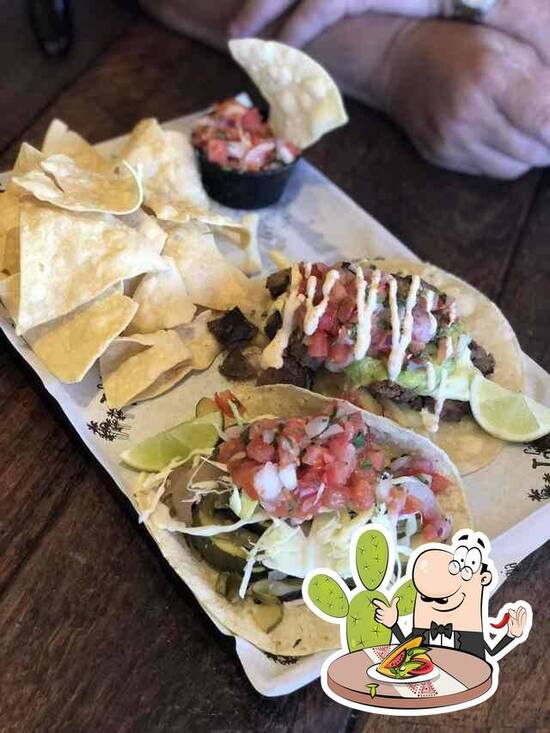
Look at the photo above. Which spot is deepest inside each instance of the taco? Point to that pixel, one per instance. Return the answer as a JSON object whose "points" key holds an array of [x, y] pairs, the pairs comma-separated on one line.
{"points": [[407, 661], [280, 491], [408, 353]]}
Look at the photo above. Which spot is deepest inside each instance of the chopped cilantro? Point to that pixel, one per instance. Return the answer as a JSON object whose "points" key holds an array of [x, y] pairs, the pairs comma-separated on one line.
{"points": [[359, 441]]}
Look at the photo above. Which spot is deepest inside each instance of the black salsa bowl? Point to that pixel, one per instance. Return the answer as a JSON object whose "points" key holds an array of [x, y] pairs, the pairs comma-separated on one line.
{"points": [[243, 190]]}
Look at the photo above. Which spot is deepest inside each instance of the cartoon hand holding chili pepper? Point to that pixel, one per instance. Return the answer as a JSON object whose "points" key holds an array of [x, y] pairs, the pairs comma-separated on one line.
{"points": [[516, 620]]}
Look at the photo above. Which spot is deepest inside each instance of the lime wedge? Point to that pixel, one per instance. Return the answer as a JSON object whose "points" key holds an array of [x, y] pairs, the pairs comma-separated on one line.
{"points": [[507, 415], [155, 453]]}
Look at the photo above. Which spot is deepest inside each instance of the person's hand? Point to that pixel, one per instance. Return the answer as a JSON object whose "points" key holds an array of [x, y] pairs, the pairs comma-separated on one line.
{"points": [[528, 20], [386, 615], [311, 17], [517, 622], [472, 99]]}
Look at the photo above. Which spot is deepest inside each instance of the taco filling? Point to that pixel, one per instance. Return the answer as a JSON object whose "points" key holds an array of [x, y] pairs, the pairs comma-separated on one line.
{"points": [[366, 334], [279, 496], [235, 136]]}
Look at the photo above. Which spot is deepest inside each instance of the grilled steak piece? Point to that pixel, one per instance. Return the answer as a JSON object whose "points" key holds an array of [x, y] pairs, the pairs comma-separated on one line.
{"points": [[453, 410], [292, 372], [233, 329], [484, 361], [388, 390], [236, 366], [278, 282], [273, 324]]}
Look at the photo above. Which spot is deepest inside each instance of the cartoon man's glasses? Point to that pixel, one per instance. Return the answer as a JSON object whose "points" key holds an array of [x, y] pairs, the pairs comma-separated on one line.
{"points": [[466, 562]]}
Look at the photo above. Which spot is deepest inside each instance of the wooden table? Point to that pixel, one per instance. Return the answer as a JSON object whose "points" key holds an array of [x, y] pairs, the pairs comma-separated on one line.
{"points": [[96, 634]]}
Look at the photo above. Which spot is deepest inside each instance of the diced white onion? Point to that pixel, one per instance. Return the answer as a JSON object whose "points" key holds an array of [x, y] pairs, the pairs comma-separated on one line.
{"points": [[288, 476], [267, 483], [332, 431], [316, 426]]}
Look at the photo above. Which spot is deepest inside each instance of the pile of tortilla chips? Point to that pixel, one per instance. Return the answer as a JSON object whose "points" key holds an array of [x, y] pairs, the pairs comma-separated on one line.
{"points": [[117, 260]]}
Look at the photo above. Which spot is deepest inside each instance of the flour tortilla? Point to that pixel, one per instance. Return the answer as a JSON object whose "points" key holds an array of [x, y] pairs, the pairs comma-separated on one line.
{"points": [[304, 101], [68, 259], [300, 632], [466, 443], [58, 180]]}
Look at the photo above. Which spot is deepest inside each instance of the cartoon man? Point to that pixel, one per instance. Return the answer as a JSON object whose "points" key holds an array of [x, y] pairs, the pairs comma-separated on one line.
{"points": [[451, 602]]}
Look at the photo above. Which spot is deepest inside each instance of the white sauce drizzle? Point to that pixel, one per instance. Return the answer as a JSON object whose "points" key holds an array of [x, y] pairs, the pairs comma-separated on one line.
{"points": [[400, 340], [272, 355], [315, 312], [452, 313], [364, 312], [307, 269], [430, 376], [430, 296], [439, 400]]}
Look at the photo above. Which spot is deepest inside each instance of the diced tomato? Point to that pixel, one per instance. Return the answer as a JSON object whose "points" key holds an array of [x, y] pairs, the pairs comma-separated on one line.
{"points": [[242, 474], [340, 353], [361, 491], [329, 320], [346, 309], [318, 345], [319, 269], [216, 151], [375, 456], [251, 121], [338, 292], [335, 500], [222, 400], [412, 505], [260, 451], [259, 156], [439, 482], [230, 448], [316, 455]]}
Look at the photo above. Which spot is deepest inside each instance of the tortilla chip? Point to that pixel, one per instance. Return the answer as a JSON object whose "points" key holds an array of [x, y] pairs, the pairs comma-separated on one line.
{"points": [[300, 632], [163, 301], [9, 232], [133, 363], [9, 295], [304, 101], [171, 181], [60, 181], [68, 259], [210, 280], [203, 347], [28, 158], [70, 345], [246, 237], [60, 140]]}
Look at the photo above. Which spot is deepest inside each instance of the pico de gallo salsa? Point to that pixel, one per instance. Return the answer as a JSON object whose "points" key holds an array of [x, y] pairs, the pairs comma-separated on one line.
{"points": [[236, 137], [299, 467]]}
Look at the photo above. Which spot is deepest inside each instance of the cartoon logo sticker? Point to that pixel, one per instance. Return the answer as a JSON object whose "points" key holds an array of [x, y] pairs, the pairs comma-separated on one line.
{"points": [[425, 645]]}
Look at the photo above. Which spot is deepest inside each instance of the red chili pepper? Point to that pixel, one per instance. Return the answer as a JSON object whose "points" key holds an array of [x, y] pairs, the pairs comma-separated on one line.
{"points": [[500, 624]]}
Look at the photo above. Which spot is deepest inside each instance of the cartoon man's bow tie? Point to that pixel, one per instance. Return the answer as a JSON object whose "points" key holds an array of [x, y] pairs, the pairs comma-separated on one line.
{"points": [[444, 630]]}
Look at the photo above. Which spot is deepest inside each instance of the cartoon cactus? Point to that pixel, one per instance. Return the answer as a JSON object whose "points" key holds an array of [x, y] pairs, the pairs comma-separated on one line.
{"points": [[407, 597], [328, 596], [371, 557], [362, 630], [332, 598]]}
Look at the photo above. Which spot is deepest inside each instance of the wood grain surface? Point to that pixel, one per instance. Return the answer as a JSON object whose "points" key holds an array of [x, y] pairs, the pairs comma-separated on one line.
{"points": [[96, 634]]}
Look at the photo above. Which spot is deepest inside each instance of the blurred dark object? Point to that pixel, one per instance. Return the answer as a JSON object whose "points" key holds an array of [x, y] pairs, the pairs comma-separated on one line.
{"points": [[52, 23]]}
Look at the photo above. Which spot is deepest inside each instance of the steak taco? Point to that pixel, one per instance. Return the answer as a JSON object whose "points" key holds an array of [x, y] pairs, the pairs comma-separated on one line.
{"points": [[278, 490], [397, 337]]}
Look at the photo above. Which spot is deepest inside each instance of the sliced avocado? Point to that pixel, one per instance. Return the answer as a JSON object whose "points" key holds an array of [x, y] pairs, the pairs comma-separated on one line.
{"points": [[413, 379], [365, 371]]}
